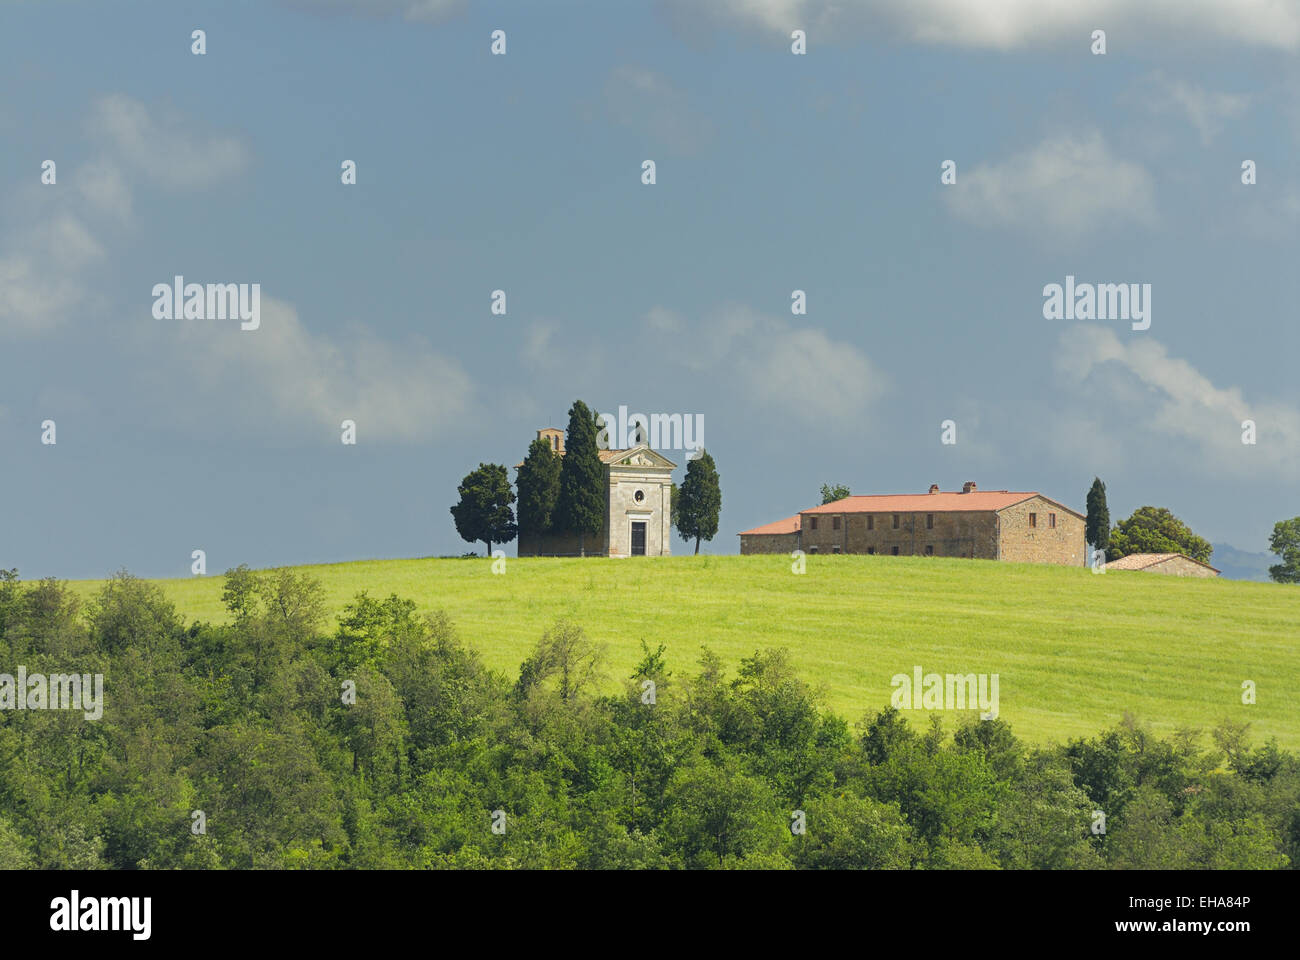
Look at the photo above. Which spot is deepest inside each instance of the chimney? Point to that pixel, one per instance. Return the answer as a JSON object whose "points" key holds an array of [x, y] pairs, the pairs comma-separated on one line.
{"points": [[968, 486], [934, 488]]}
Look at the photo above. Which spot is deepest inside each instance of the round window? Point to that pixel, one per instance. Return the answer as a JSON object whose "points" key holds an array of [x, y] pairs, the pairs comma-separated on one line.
{"points": [[638, 496]]}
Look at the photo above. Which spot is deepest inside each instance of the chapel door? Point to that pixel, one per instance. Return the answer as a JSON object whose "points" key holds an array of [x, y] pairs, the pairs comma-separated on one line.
{"points": [[638, 538]]}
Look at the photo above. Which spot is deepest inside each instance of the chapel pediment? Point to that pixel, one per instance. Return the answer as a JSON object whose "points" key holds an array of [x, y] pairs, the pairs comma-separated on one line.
{"points": [[638, 456]]}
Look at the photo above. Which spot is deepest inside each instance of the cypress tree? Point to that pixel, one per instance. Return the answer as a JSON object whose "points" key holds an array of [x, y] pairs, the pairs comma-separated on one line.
{"points": [[700, 501], [1096, 528], [581, 507], [539, 489]]}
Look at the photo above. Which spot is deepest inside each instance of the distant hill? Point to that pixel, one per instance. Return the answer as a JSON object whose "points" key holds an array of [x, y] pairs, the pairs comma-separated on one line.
{"points": [[1239, 565]]}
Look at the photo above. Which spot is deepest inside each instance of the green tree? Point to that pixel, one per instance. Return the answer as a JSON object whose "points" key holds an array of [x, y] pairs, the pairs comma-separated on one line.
{"points": [[773, 716], [848, 832], [994, 739], [373, 727], [13, 848], [566, 653], [885, 735], [11, 596], [241, 590], [719, 816], [366, 626], [700, 501], [1096, 529], [832, 493], [581, 505], [1044, 823], [130, 613], [483, 512], [1156, 530], [539, 488], [1285, 542]]}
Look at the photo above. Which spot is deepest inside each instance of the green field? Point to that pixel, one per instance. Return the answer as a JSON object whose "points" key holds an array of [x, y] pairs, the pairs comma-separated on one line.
{"points": [[1073, 650]]}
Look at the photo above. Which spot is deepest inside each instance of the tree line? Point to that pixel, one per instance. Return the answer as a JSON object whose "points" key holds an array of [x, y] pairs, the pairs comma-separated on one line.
{"points": [[379, 740], [1157, 530], [566, 494]]}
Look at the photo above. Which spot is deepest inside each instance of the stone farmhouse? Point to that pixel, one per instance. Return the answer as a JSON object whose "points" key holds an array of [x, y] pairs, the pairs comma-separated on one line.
{"points": [[638, 502], [981, 524], [1172, 564]]}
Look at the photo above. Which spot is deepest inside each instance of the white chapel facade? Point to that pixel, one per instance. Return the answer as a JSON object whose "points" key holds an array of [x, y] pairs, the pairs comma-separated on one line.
{"points": [[638, 507]]}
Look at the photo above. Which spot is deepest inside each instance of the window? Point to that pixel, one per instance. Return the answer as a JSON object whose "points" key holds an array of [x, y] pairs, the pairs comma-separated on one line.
{"points": [[835, 523], [929, 550], [835, 549], [929, 521], [871, 550], [638, 496], [895, 521], [814, 523], [894, 550], [871, 521], [1051, 520], [812, 549], [1033, 520]]}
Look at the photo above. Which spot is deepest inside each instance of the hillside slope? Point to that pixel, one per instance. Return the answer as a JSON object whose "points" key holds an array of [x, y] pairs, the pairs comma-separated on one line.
{"points": [[1073, 650]]}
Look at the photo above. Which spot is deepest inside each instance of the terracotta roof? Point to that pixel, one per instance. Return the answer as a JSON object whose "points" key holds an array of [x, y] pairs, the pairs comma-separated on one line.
{"points": [[788, 525], [926, 502], [1141, 561]]}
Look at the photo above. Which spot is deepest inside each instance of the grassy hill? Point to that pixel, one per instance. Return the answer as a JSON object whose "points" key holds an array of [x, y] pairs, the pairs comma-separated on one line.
{"points": [[1073, 650]]}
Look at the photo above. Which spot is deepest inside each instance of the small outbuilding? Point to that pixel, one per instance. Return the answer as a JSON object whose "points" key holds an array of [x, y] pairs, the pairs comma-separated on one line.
{"points": [[1173, 564]]}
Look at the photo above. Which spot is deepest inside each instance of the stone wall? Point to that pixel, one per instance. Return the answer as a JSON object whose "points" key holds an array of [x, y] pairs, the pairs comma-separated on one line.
{"points": [[785, 543], [1040, 542], [979, 534], [562, 545], [654, 508], [948, 534]]}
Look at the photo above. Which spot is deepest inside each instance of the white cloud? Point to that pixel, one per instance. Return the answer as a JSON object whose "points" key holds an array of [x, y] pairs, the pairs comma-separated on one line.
{"points": [[1070, 184], [664, 320], [647, 102], [538, 350], [283, 374], [101, 184], [782, 371], [43, 263], [40, 276], [1163, 398], [549, 359], [163, 148], [1010, 24], [790, 371], [1206, 110]]}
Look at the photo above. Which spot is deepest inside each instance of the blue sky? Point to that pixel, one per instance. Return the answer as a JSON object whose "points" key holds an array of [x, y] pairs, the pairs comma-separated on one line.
{"points": [[521, 172]]}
